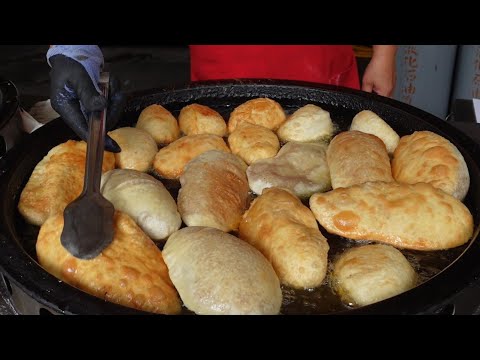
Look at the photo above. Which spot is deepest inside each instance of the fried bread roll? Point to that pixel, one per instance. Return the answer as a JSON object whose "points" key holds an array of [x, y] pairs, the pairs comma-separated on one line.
{"points": [[355, 157], [261, 111], [253, 142], [307, 124], [299, 167], [368, 274], [368, 122], [159, 123], [197, 119], [285, 231], [415, 216], [56, 181], [144, 199], [218, 274], [171, 160], [138, 149], [214, 191], [129, 272], [427, 157]]}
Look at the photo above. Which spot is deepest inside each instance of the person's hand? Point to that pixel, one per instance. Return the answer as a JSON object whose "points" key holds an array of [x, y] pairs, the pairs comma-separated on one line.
{"points": [[74, 92], [380, 74]]}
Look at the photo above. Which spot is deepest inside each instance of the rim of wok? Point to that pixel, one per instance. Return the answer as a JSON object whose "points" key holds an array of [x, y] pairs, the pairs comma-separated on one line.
{"points": [[9, 102], [61, 297]]}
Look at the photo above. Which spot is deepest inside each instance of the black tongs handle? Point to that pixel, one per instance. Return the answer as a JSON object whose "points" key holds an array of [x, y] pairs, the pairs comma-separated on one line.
{"points": [[96, 141]]}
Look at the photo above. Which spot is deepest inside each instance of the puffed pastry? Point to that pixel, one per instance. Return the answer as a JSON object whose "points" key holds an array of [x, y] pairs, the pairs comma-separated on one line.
{"points": [[214, 191], [261, 111], [307, 124], [197, 119], [427, 157], [285, 231], [159, 123], [368, 122], [355, 157], [299, 167], [253, 142], [130, 271], [371, 273], [171, 160], [417, 216], [216, 273], [56, 181], [144, 199], [138, 148]]}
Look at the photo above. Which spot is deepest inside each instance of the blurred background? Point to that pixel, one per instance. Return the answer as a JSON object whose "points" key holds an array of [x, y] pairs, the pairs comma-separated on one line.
{"points": [[430, 77]]}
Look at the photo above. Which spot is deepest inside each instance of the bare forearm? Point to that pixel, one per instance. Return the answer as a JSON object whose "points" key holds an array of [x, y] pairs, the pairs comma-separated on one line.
{"points": [[384, 51], [380, 74]]}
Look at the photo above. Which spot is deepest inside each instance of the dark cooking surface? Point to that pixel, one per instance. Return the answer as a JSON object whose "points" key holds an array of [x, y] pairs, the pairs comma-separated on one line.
{"points": [[291, 98]]}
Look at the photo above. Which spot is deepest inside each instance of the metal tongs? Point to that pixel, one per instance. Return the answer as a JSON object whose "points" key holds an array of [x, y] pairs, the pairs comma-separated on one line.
{"points": [[88, 221]]}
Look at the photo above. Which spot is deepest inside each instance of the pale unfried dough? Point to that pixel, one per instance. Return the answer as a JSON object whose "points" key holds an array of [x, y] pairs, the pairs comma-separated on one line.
{"points": [[415, 216]]}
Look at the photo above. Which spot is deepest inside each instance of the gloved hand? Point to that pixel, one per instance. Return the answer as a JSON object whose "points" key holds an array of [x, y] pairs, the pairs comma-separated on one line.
{"points": [[74, 91]]}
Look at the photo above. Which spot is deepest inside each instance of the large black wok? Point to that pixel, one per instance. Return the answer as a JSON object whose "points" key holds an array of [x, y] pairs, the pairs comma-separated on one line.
{"points": [[445, 273]]}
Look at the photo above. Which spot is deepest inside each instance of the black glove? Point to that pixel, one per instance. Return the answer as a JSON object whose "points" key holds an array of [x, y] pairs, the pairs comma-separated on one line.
{"points": [[71, 88]]}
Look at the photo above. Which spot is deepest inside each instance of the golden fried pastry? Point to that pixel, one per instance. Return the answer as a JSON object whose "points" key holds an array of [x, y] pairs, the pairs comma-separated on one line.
{"points": [[415, 216], [299, 167], [253, 142], [285, 231], [144, 199], [56, 181], [130, 271], [261, 111], [368, 122], [159, 123], [218, 274], [427, 157], [214, 191], [368, 274], [197, 119], [138, 149], [171, 160], [307, 124], [355, 157]]}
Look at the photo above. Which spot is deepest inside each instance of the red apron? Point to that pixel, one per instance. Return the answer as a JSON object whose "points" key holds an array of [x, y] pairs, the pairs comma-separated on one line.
{"points": [[328, 64]]}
